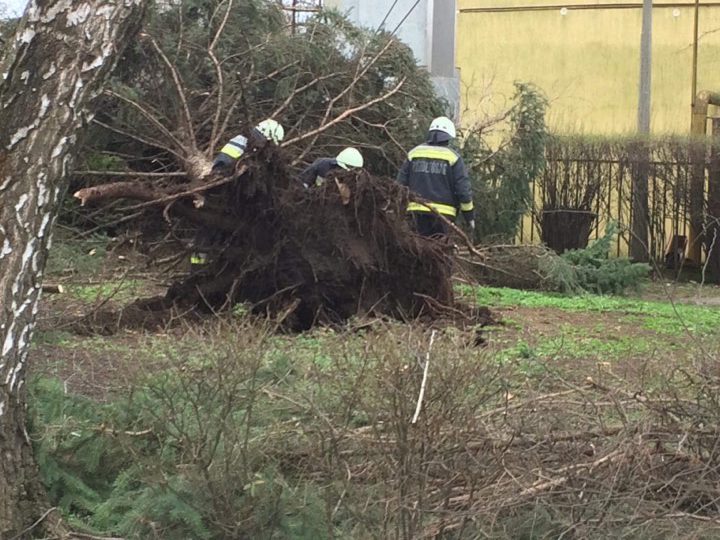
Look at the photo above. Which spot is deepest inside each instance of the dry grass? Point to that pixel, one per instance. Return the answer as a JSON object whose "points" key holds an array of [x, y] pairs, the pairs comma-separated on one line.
{"points": [[498, 451]]}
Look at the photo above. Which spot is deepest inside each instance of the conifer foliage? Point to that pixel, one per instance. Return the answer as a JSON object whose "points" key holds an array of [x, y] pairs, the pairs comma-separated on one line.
{"points": [[204, 71], [502, 174]]}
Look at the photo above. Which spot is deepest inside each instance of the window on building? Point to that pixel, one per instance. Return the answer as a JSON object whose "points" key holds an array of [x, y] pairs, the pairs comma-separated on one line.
{"points": [[299, 11]]}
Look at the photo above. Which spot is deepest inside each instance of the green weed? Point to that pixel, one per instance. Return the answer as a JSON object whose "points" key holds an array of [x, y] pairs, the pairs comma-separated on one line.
{"points": [[523, 356], [121, 291], [56, 338], [81, 256], [573, 345], [660, 317]]}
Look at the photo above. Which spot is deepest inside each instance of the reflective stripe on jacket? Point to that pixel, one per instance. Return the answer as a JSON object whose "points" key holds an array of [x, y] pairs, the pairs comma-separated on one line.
{"points": [[231, 152], [444, 209], [437, 174], [198, 258]]}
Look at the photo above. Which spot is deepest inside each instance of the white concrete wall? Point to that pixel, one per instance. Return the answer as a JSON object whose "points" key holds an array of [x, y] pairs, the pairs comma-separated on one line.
{"points": [[429, 31], [416, 31]]}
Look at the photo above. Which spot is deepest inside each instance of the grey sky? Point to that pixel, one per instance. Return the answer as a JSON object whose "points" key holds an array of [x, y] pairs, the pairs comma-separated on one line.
{"points": [[15, 7]]}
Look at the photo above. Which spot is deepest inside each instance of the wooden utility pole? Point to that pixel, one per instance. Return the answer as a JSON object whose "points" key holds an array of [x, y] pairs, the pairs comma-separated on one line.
{"points": [[640, 210], [645, 69]]}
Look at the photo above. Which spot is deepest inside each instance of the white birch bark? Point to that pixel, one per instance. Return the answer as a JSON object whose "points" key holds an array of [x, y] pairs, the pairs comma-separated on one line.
{"points": [[61, 54]]}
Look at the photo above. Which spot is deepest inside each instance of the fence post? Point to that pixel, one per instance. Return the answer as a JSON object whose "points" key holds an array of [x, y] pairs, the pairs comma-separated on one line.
{"points": [[712, 231], [698, 129], [697, 180]]}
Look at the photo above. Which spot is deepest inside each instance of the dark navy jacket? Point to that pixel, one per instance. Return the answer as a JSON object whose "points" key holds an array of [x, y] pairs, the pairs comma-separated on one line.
{"points": [[315, 173], [437, 174]]}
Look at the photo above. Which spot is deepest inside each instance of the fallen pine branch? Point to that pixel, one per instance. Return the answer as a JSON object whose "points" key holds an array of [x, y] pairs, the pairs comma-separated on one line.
{"points": [[143, 192]]}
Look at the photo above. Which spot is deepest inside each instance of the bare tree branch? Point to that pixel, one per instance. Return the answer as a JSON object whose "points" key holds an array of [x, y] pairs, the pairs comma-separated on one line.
{"points": [[148, 115], [133, 174], [343, 116], [179, 87], [144, 140], [215, 135], [145, 193]]}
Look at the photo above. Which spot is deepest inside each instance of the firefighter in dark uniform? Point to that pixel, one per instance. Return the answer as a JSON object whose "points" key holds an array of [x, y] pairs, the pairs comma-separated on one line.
{"points": [[315, 174], [437, 174], [266, 131]]}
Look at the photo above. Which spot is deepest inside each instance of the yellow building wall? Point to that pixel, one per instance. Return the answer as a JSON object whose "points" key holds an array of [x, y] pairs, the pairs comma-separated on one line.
{"points": [[586, 61]]}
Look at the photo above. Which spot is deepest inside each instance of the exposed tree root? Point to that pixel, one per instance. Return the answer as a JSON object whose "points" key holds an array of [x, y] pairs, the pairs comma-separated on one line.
{"points": [[319, 255]]}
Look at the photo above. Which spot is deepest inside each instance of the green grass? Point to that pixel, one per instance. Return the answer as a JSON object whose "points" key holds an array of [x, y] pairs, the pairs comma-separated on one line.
{"points": [[569, 347], [660, 317], [121, 291], [76, 256]]}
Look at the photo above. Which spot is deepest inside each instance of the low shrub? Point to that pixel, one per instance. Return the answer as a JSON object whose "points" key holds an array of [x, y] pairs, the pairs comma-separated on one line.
{"points": [[593, 270]]}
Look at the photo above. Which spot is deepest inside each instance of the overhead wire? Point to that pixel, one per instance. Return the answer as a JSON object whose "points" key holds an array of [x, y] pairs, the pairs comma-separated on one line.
{"points": [[405, 17], [389, 11]]}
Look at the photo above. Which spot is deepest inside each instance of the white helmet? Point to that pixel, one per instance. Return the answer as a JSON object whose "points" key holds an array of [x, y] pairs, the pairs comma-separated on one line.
{"points": [[271, 130], [350, 158], [444, 124]]}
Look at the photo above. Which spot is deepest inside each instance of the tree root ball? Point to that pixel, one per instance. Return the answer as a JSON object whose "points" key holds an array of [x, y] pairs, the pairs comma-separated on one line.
{"points": [[311, 256]]}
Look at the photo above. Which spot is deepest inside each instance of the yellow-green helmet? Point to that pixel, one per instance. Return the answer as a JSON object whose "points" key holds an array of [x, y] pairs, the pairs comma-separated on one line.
{"points": [[350, 158], [271, 130]]}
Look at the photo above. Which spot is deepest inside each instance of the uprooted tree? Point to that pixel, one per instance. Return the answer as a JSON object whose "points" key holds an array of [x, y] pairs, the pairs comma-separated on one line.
{"points": [[201, 73], [302, 256], [55, 65]]}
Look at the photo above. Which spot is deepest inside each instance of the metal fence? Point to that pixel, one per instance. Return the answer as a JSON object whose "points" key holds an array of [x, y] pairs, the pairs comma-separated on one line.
{"points": [[594, 192]]}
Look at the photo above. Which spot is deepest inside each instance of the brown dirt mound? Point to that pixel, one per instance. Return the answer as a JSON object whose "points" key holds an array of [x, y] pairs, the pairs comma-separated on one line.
{"points": [[315, 255], [308, 256]]}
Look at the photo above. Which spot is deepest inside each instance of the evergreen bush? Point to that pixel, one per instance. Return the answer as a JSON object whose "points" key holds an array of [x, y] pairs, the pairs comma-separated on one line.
{"points": [[502, 176], [593, 270], [187, 454]]}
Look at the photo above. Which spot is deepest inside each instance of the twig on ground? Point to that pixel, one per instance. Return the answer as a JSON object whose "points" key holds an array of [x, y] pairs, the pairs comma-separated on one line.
{"points": [[424, 379], [34, 525]]}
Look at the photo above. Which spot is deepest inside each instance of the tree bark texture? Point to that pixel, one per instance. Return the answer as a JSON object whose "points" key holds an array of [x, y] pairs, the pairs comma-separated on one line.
{"points": [[62, 52]]}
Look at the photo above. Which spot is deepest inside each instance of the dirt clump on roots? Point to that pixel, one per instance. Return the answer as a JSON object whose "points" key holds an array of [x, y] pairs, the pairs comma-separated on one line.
{"points": [[309, 256]]}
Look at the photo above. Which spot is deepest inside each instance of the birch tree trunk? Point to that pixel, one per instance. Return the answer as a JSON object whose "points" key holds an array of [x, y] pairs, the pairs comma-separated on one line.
{"points": [[61, 54]]}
